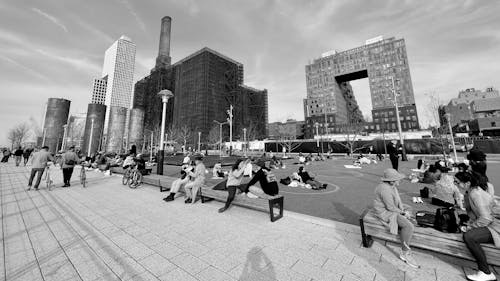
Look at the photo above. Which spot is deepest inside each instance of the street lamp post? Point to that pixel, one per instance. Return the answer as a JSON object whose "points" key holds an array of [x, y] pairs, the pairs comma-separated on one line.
{"points": [[63, 145], [199, 139], [165, 95], [44, 133], [317, 134], [230, 120], [245, 141], [220, 136], [403, 156], [448, 116], [90, 137]]}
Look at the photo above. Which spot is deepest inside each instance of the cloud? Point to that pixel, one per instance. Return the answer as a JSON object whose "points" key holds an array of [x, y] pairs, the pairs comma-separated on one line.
{"points": [[53, 19], [28, 69], [79, 63], [129, 7]]}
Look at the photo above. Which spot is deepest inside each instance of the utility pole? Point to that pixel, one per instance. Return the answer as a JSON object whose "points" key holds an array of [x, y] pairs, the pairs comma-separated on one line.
{"points": [[448, 116], [245, 141], [317, 134], [230, 120], [199, 139], [165, 95], [91, 133], [63, 145], [401, 140], [151, 154], [220, 136]]}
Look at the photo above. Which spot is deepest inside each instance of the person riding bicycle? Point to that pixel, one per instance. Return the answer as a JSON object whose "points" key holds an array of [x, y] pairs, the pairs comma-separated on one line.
{"points": [[141, 163], [129, 161]]}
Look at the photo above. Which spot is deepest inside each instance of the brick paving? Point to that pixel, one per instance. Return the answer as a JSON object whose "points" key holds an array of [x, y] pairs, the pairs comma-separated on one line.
{"points": [[110, 232]]}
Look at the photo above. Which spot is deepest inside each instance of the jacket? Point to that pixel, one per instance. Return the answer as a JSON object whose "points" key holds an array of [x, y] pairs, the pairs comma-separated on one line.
{"points": [[480, 213], [446, 190], [387, 206], [40, 159], [67, 156]]}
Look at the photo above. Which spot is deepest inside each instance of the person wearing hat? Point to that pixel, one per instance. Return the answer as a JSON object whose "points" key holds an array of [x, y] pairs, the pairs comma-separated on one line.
{"points": [[266, 179], [389, 209], [477, 162], [69, 160], [198, 179]]}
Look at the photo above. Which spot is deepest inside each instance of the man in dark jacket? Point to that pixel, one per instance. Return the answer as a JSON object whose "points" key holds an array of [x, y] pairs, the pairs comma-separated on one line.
{"points": [[26, 154], [69, 160], [393, 154], [19, 155]]}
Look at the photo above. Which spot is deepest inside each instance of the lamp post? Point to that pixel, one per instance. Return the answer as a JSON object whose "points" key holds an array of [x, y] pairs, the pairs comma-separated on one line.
{"points": [[317, 133], [165, 95], [44, 133], [90, 137], [199, 139], [403, 156], [230, 121], [220, 136], [245, 141], [448, 117]]}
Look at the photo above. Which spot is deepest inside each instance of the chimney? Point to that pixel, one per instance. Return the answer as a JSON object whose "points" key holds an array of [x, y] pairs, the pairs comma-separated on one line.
{"points": [[163, 58]]}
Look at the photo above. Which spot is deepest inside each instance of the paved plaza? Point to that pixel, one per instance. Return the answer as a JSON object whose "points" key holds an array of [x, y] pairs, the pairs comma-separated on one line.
{"points": [[110, 232]]}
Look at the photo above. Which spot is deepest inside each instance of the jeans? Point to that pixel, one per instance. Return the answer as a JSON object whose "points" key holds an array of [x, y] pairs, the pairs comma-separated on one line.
{"points": [[473, 238], [405, 231], [67, 172], [232, 192], [34, 171]]}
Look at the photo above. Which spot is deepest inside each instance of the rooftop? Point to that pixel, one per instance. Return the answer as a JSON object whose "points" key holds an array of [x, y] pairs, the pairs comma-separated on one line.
{"points": [[491, 104]]}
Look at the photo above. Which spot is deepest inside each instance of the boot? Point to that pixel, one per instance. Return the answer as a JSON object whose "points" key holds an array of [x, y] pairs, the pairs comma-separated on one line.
{"points": [[169, 198]]}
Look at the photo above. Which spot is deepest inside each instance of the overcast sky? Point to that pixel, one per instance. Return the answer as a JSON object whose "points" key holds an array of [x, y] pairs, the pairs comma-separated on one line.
{"points": [[55, 48]]}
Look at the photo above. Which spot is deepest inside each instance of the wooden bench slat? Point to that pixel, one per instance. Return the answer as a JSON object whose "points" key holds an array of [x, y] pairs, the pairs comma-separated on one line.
{"points": [[425, 238]]}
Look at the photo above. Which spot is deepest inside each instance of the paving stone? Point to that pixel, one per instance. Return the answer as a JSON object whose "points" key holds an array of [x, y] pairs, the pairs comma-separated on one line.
{"points": [[189, 263], [211, 273], [177, 275], [157, 265], [315, 272]]}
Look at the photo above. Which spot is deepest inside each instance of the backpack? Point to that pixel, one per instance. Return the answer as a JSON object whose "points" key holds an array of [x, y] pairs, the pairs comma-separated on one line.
{"points": [[286, 181], [69, 162], [270, 177], [446, 220]]}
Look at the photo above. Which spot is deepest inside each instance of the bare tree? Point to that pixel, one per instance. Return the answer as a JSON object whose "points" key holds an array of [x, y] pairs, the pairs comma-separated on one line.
{"points": [[184, 134], [172, 133], [214, 136], [35, 127], [433, 108], [18, 134], [287, 138], [252, 131], [352, 131]]}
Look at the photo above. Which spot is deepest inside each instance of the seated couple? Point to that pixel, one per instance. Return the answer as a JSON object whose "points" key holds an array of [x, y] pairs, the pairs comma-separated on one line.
{"points": [[191, 180], [308, 179], [266, 179]]}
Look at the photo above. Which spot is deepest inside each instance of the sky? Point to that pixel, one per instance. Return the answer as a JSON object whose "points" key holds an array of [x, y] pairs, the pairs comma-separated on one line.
{"points": [[55, 48]]}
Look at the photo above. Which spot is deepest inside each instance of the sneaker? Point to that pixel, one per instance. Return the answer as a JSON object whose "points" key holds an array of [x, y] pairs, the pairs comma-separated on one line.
{"points": [[419, 199], [221, 210], [414, 199], [481, 276], [407, 257], [251, 195], [187, 201], [169, 198]]}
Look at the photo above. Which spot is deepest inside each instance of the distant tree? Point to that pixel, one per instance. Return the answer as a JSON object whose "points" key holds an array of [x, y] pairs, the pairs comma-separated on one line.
{"points": [[172, 133], [352, 131], [252, 131], [213, 136], [184, 134], [433, 109], [287, 138], [18, 134], [35, 127]]}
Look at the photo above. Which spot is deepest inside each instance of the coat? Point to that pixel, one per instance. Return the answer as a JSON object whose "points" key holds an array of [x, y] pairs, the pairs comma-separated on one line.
{"points": [[387, 206]]}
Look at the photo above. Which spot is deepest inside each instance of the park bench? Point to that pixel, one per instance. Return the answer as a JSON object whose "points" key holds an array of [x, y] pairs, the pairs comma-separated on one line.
{"points": [[266, 204], [424, 238]]}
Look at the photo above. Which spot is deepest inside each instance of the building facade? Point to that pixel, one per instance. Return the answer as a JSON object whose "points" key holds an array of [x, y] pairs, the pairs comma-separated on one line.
{"points": [[471, 104], [330, 99], [290, 129], [99, 90]]}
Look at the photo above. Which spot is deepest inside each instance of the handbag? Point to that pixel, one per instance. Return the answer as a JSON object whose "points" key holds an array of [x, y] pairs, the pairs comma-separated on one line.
{"points": [[446, 220], [425, 218]]}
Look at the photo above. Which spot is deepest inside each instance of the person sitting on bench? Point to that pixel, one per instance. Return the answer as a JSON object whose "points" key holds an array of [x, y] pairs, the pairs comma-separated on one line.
{"points": [[389, 209], [234, 182], [178, 183], [267, 180], [482, 227], [432, 175], [446, 193], [198, 179], [217, 172], [307, 179]]}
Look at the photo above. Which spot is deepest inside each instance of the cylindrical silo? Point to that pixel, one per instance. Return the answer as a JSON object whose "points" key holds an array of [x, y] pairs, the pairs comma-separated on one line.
{"points": [[116, 129], [94, 126], [136, 127], [56, 116]]}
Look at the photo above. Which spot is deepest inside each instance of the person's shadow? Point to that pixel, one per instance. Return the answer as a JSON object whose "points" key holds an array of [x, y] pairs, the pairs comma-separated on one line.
{"points": [[257, 263]]}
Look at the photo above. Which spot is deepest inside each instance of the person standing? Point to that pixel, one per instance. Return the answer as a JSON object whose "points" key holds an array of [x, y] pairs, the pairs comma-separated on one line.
{"points": [[393, 154], [26, 154], [19, 155], [69, 160], [39, 163], [6, 155]]}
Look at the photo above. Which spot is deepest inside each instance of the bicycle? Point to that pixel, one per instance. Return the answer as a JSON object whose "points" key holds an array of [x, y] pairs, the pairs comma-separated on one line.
{"points": [[126, 176], [132, 177], [83, 176]]}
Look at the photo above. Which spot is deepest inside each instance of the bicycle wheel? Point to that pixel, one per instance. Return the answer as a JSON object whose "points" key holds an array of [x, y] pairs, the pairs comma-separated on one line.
{"points": [[126, 177], [135, 179]]}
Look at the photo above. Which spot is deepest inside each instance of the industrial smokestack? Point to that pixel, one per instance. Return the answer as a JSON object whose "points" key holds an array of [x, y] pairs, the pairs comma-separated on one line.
{"points": [[163, 58]]}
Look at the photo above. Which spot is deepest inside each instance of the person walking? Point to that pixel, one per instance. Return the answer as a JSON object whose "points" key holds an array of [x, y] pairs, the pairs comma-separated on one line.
{"points": [[393, 154], [69, 160], [26, 154], [389, 209], [19, 155], [39, 163]]}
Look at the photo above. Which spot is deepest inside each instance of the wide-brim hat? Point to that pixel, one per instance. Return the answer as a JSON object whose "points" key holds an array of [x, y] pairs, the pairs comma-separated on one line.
{"points": [[392, 175]]}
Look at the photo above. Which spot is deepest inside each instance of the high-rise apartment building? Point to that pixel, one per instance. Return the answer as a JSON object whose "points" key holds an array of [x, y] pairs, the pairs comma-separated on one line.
{"points": [[330, 100], [118, 67], [99, 90]]}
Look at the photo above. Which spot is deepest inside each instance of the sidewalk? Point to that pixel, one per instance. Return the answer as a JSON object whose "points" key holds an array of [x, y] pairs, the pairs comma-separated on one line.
{"points": [[110, 232]]}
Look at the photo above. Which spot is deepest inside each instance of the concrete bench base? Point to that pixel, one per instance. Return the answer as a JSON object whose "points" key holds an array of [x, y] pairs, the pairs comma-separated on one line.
{"points": [[424, 238], [267, 204]]}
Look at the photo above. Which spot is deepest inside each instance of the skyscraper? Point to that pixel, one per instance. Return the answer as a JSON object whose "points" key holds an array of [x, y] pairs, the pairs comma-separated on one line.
{"points": [[119, 61]]}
